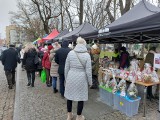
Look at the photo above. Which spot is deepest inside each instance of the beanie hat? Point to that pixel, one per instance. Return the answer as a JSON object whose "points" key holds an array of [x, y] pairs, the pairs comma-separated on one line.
{"points": [[94, 46], [50, 47]]}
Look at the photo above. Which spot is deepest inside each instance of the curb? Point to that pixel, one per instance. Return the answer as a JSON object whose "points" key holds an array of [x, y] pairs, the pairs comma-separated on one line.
{"points": [[17, 94]]}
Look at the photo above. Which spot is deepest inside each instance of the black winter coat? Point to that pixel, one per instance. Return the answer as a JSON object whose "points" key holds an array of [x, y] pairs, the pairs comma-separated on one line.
{"points": [[10, 59], [40, 55], [29, 60], [60, 58]]}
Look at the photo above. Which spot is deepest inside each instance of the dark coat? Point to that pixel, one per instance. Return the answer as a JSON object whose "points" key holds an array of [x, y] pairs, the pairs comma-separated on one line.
{"points": [[150, 58], [40, 55], [29, 60], [10, 59], [124, 60], [61, 55]]}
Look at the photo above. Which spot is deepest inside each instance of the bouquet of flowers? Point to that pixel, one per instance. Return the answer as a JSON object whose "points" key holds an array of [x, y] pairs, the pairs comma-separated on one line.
{"points": [[122, 73], [147, 78], [113, 83], [132, 91], [134, 65], [122, 87], [154, 76], [147, 73], [106, 77], [133, 70], [139, 75], [147, 68]]}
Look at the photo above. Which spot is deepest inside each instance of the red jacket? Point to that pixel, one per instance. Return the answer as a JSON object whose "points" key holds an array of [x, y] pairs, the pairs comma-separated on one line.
{"points": [[45, 61]]}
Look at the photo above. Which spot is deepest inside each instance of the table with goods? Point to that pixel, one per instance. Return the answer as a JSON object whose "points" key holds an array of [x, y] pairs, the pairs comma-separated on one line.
{"points": [[114, 91]]}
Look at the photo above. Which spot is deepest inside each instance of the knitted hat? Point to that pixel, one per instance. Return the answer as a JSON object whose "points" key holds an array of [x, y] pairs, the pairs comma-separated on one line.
{"points": [[50, 47], [94, 46]]}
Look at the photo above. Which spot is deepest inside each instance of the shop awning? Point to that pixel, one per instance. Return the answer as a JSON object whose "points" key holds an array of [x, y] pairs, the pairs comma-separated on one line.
{"points": [[135, 26], [52, 35]]}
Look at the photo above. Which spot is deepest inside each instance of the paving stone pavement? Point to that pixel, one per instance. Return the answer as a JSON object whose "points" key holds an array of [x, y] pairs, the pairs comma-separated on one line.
{"points": [[6, 97], [40, 103]]}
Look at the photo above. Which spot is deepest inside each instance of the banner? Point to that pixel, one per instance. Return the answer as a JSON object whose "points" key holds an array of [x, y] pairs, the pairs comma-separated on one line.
{"points": [[157, 60]]}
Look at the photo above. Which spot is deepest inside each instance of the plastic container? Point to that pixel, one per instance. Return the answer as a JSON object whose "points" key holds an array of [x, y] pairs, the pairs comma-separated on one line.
{"points": [[106, 95], [126, 105], [116, 99]]}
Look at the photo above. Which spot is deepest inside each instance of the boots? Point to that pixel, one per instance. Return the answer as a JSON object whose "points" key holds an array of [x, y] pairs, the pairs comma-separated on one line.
{"points": [[70, 116], [32, 83], [55, 90], [80, 117]]}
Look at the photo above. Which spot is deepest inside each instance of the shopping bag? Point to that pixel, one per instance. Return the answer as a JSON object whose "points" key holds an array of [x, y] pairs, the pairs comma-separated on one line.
{"points": [[43, 76]]}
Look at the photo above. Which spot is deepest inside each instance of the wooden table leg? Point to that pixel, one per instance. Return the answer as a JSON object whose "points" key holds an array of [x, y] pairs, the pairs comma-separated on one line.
{"points": [[144, 102]]}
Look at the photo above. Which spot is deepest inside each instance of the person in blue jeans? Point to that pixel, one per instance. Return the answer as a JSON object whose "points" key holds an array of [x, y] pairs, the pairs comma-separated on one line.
{"points": [[60, 59], [54, 67]]}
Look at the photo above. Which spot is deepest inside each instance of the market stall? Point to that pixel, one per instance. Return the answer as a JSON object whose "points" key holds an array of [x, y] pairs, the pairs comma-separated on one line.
{"points": [[52, 35], [62, 33], [84, 30], [138, 25], [113, 80]]}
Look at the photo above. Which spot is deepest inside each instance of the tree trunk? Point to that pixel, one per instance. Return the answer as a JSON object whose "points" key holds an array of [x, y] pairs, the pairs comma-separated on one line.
{"points": [[70, 20], [81, 12], [115, 1], [46, 28], [111, 17], [62, 21]]}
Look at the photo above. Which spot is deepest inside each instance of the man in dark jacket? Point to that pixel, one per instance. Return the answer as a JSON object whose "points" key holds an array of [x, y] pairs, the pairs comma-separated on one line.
{"points": [[9, 60], [60, 58]]}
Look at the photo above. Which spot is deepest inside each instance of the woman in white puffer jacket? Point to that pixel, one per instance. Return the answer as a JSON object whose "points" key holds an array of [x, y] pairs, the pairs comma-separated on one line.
{"points": [[78, 75]]}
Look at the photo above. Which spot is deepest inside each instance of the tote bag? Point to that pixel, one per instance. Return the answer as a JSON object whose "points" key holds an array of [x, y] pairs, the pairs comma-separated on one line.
{"points": [[43, 76]]}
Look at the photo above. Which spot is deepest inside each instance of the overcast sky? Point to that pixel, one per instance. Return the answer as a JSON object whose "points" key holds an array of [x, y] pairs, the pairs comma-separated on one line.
{"points": [[10, 5], [5, 7]]}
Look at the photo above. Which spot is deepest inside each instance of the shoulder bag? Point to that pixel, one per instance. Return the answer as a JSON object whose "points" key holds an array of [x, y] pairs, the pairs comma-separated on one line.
{"points": [[79, 59]]}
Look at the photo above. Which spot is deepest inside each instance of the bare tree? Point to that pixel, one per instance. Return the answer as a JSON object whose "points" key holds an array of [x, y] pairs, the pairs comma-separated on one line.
{"points": [[94, 13], [62, 14], [45, 9], [66, 8], [81, 12], [25, 20]]}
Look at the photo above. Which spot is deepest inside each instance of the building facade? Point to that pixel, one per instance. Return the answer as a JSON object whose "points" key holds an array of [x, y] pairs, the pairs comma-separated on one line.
{"points": [[14, 35]]}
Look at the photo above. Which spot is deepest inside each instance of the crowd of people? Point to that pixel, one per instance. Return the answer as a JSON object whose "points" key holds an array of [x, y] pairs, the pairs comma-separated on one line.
{"points": [[71, 67], [76, 69]]}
